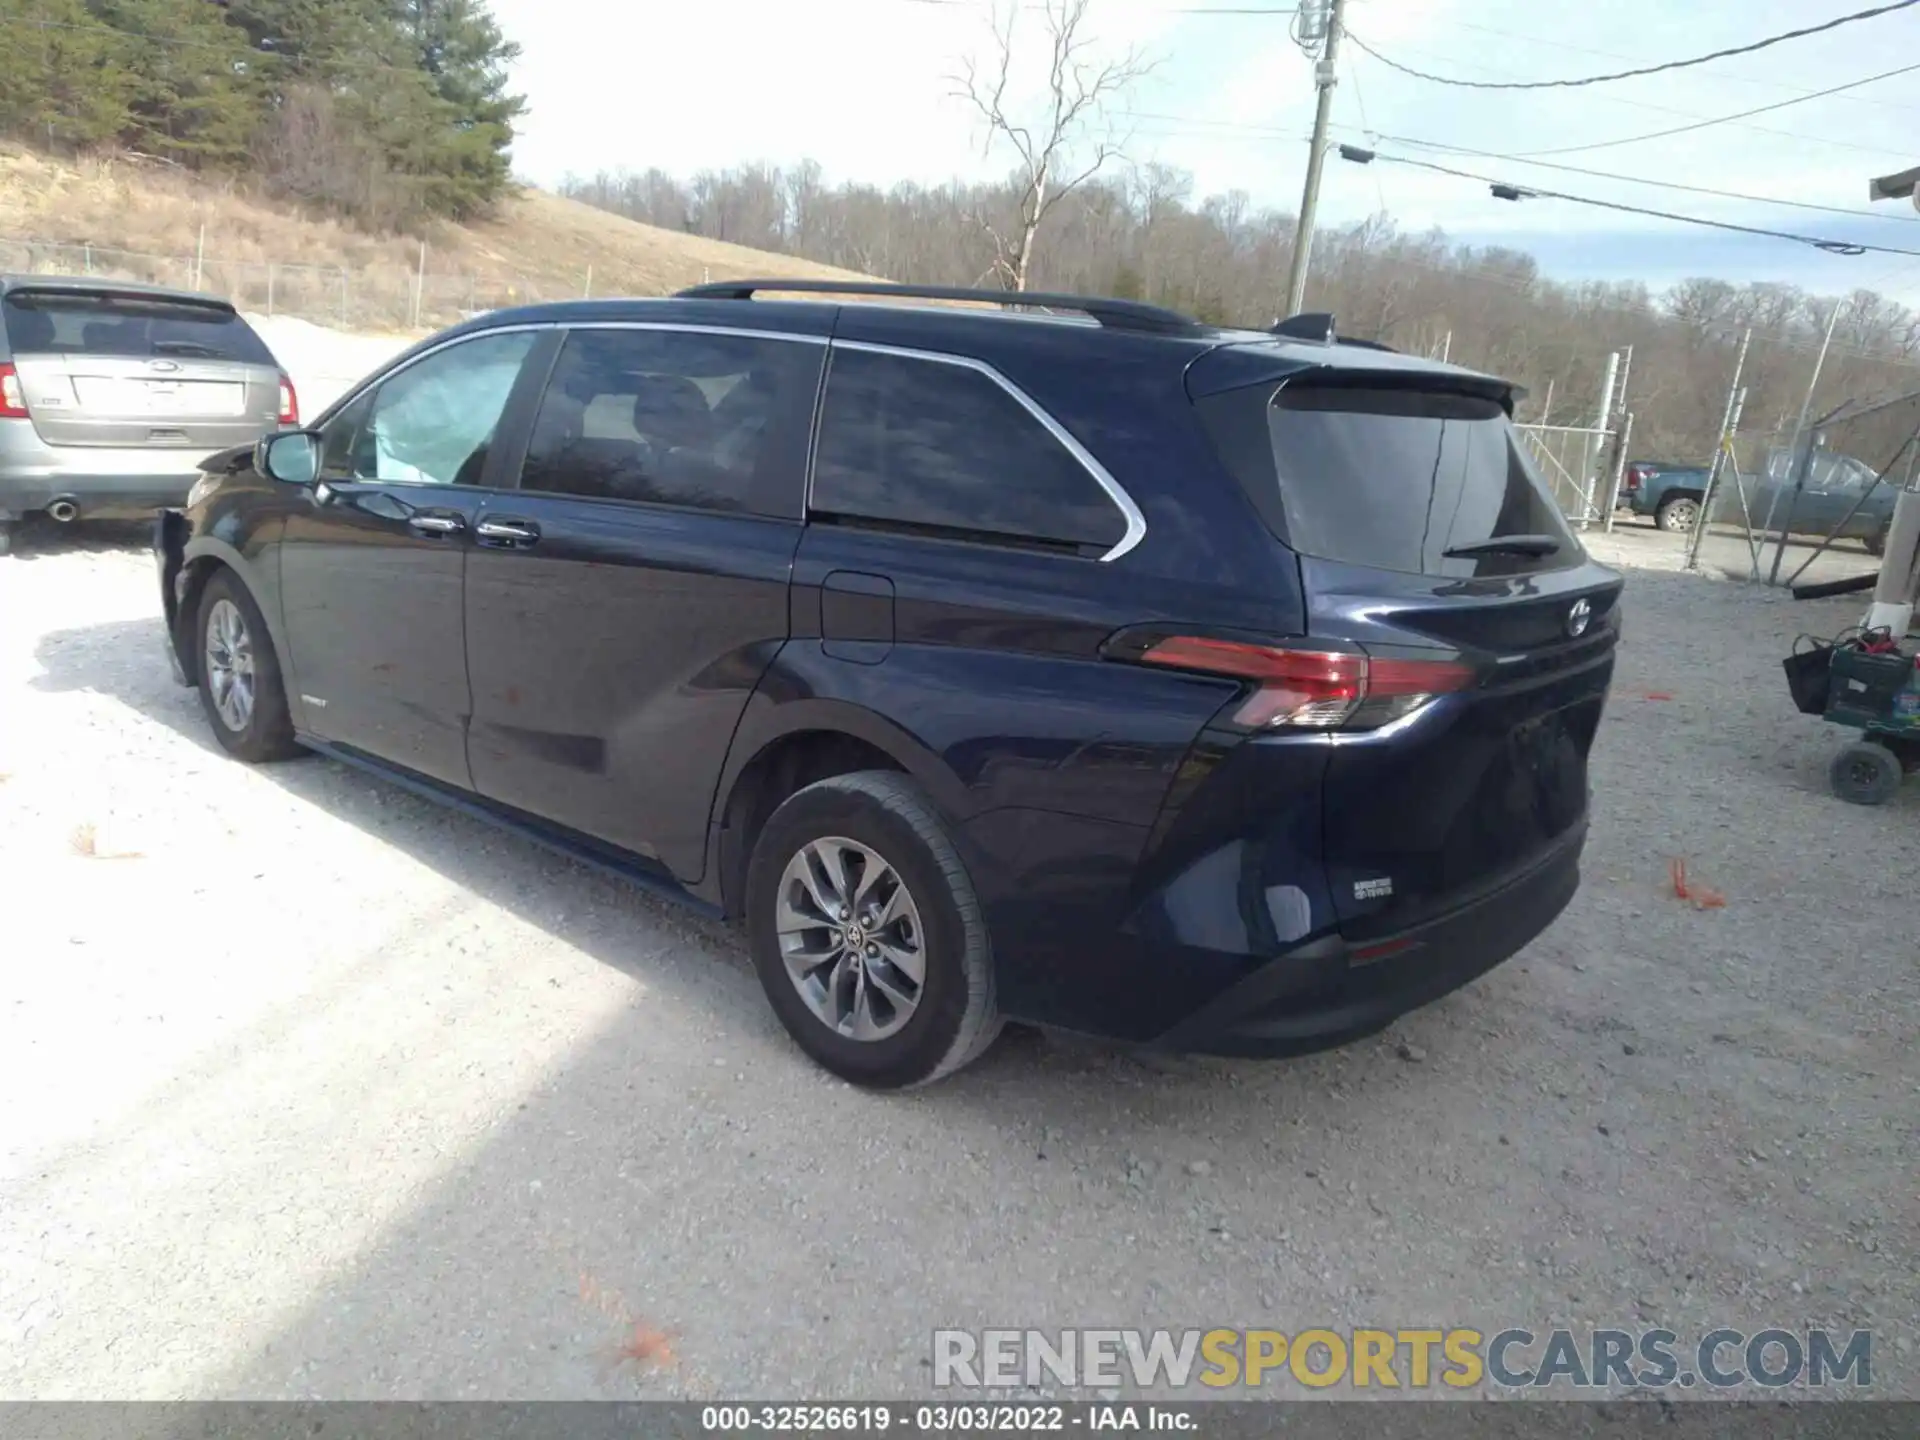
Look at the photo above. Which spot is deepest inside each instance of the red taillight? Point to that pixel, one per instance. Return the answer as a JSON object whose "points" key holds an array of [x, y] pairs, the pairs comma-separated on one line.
{"points": [[289, 402], [1635, 474], [13, 400], [1314, 689]]}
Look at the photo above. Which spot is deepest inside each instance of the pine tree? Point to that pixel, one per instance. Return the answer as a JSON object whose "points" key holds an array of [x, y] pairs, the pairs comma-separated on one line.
{"points": [[191, 90], [62, 82], [460, 48], [388, 111]]}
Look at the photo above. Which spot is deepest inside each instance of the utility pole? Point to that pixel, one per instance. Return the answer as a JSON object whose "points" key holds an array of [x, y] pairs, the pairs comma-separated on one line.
{"points": [[1324, 81], [1898, 589]]}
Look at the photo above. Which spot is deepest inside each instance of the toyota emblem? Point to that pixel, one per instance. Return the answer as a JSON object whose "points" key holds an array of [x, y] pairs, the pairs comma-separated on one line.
{"points": [[1578, 618]]}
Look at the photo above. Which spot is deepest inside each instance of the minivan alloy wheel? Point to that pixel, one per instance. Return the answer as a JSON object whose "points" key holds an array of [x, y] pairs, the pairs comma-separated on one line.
{"points": [[851, 937], [229, 660]]}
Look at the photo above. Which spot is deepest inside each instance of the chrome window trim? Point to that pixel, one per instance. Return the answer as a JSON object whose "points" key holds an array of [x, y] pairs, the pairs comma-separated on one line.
{"points": [[1136, 523], [696, 328], [1122, 501], [380, 377]]}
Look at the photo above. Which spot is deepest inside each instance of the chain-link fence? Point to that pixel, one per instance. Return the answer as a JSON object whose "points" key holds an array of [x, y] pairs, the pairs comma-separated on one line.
{"points": [[361, 298], [1576, 463], [1812, 502], [1581, 463]]}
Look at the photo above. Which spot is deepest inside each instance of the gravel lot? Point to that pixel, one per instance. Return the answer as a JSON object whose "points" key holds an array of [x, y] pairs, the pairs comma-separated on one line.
{"points": [[337, 1095]]}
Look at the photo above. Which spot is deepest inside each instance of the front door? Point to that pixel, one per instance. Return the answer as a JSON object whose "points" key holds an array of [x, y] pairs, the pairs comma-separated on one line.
{"points": [[371, 567], [624, 601]]}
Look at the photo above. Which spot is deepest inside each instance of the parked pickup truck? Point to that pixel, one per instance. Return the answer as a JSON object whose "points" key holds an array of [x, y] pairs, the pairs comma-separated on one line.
{"points": [[1669, 493], [1831, 502]]}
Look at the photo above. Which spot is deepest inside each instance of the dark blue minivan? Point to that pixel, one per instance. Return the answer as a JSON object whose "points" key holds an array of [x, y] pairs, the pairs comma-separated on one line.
{"points": [[1081, 664]]}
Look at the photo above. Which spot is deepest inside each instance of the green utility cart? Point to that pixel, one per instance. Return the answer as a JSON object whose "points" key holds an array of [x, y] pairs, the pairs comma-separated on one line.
{"points": [[1868, 683]]}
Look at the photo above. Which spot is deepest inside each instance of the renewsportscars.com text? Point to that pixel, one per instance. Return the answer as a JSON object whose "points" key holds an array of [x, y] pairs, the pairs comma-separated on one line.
{"points": [[1404, 1359]]}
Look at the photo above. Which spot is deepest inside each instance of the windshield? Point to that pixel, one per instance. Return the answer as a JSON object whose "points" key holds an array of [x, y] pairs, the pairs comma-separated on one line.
{"points": [[1391, 478], [129, 327]]}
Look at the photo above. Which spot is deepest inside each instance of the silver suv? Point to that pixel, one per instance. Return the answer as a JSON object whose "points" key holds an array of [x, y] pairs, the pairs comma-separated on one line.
{"points": [[111, 393]]}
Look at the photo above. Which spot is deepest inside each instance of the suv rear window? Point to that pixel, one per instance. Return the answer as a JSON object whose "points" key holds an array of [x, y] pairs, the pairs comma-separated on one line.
{"points": [[47, 322], [1389, 478]]}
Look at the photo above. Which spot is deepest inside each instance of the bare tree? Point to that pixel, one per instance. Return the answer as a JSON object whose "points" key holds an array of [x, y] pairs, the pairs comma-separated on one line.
{"points": [[1146, 235], [1078, 90]]}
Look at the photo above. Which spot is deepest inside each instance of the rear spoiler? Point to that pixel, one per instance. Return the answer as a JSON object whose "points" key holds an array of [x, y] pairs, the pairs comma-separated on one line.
{"points": [[52, 287], [1236, 366]]}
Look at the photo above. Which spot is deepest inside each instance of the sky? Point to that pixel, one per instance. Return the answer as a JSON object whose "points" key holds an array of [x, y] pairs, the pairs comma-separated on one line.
{"points": [[866, 88]]}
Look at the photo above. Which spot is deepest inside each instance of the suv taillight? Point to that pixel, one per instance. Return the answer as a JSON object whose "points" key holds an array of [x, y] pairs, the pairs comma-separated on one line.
{"points": [[289, 402], [1313, 689], [13, 400]]}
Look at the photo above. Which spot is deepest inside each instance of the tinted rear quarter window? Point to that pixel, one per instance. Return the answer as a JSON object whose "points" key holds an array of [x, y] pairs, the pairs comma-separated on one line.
{"points": [[128, 327], [944, 447], [1389, 478]]}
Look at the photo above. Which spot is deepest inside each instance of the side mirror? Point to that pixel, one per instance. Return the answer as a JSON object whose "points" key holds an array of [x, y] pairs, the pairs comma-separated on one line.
{"points": [[292, 457]]}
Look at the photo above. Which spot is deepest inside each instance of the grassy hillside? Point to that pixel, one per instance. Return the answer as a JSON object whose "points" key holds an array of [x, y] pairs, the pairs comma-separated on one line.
{"points": [[142, 220]]}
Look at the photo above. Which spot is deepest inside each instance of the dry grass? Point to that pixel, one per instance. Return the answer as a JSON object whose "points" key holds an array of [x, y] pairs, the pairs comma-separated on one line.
{"points": [[538, 246]]}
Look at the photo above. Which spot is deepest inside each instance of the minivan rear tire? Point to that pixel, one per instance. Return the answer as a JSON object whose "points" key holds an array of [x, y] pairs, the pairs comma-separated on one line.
{"points": [[267, 733], [884, 815]]}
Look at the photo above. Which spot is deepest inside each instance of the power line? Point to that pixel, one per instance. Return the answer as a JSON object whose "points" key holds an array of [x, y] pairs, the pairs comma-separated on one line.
{"points": [[1718, 119], [1237, 130], [1661, 184], [1756, 129], [1518, 192], [242, 49], [1719, 79], [1747, 49], [1353, 74]]}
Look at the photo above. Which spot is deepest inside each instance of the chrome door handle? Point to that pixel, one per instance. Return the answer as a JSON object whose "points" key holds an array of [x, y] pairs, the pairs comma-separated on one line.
{"points": [[508, 532], [437, 524]]}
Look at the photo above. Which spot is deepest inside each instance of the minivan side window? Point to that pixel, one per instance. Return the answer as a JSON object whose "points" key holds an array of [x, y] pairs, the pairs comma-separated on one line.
{"points": [[340, 440], [431, 423], [677, 417], [929, 444]]}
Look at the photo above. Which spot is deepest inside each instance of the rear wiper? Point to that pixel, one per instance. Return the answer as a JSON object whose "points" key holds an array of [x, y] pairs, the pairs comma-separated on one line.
{"points": [[1504, 545], [189, 347]]}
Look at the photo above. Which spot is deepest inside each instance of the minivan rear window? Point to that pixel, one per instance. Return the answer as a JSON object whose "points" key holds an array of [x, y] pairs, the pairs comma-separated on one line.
{"points": [[1391, 478], [51, 322]]}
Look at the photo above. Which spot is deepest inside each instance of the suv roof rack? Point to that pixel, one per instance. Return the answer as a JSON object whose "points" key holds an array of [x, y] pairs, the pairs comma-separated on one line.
{"points": [[1112, 314], [1317, 325]]}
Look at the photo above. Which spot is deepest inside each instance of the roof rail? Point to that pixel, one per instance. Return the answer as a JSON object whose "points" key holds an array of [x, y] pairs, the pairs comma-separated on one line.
{"points": [[1318, 325], [1113, 314]]}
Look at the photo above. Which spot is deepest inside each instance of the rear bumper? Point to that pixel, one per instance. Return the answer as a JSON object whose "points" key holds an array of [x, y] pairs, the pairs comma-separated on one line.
{"points": [[97, 497], [104, 483], [1326, 993]]}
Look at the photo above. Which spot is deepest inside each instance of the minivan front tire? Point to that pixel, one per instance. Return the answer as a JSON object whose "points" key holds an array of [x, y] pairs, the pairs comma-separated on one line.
{"points": [[240, 685], [854, 884]]}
